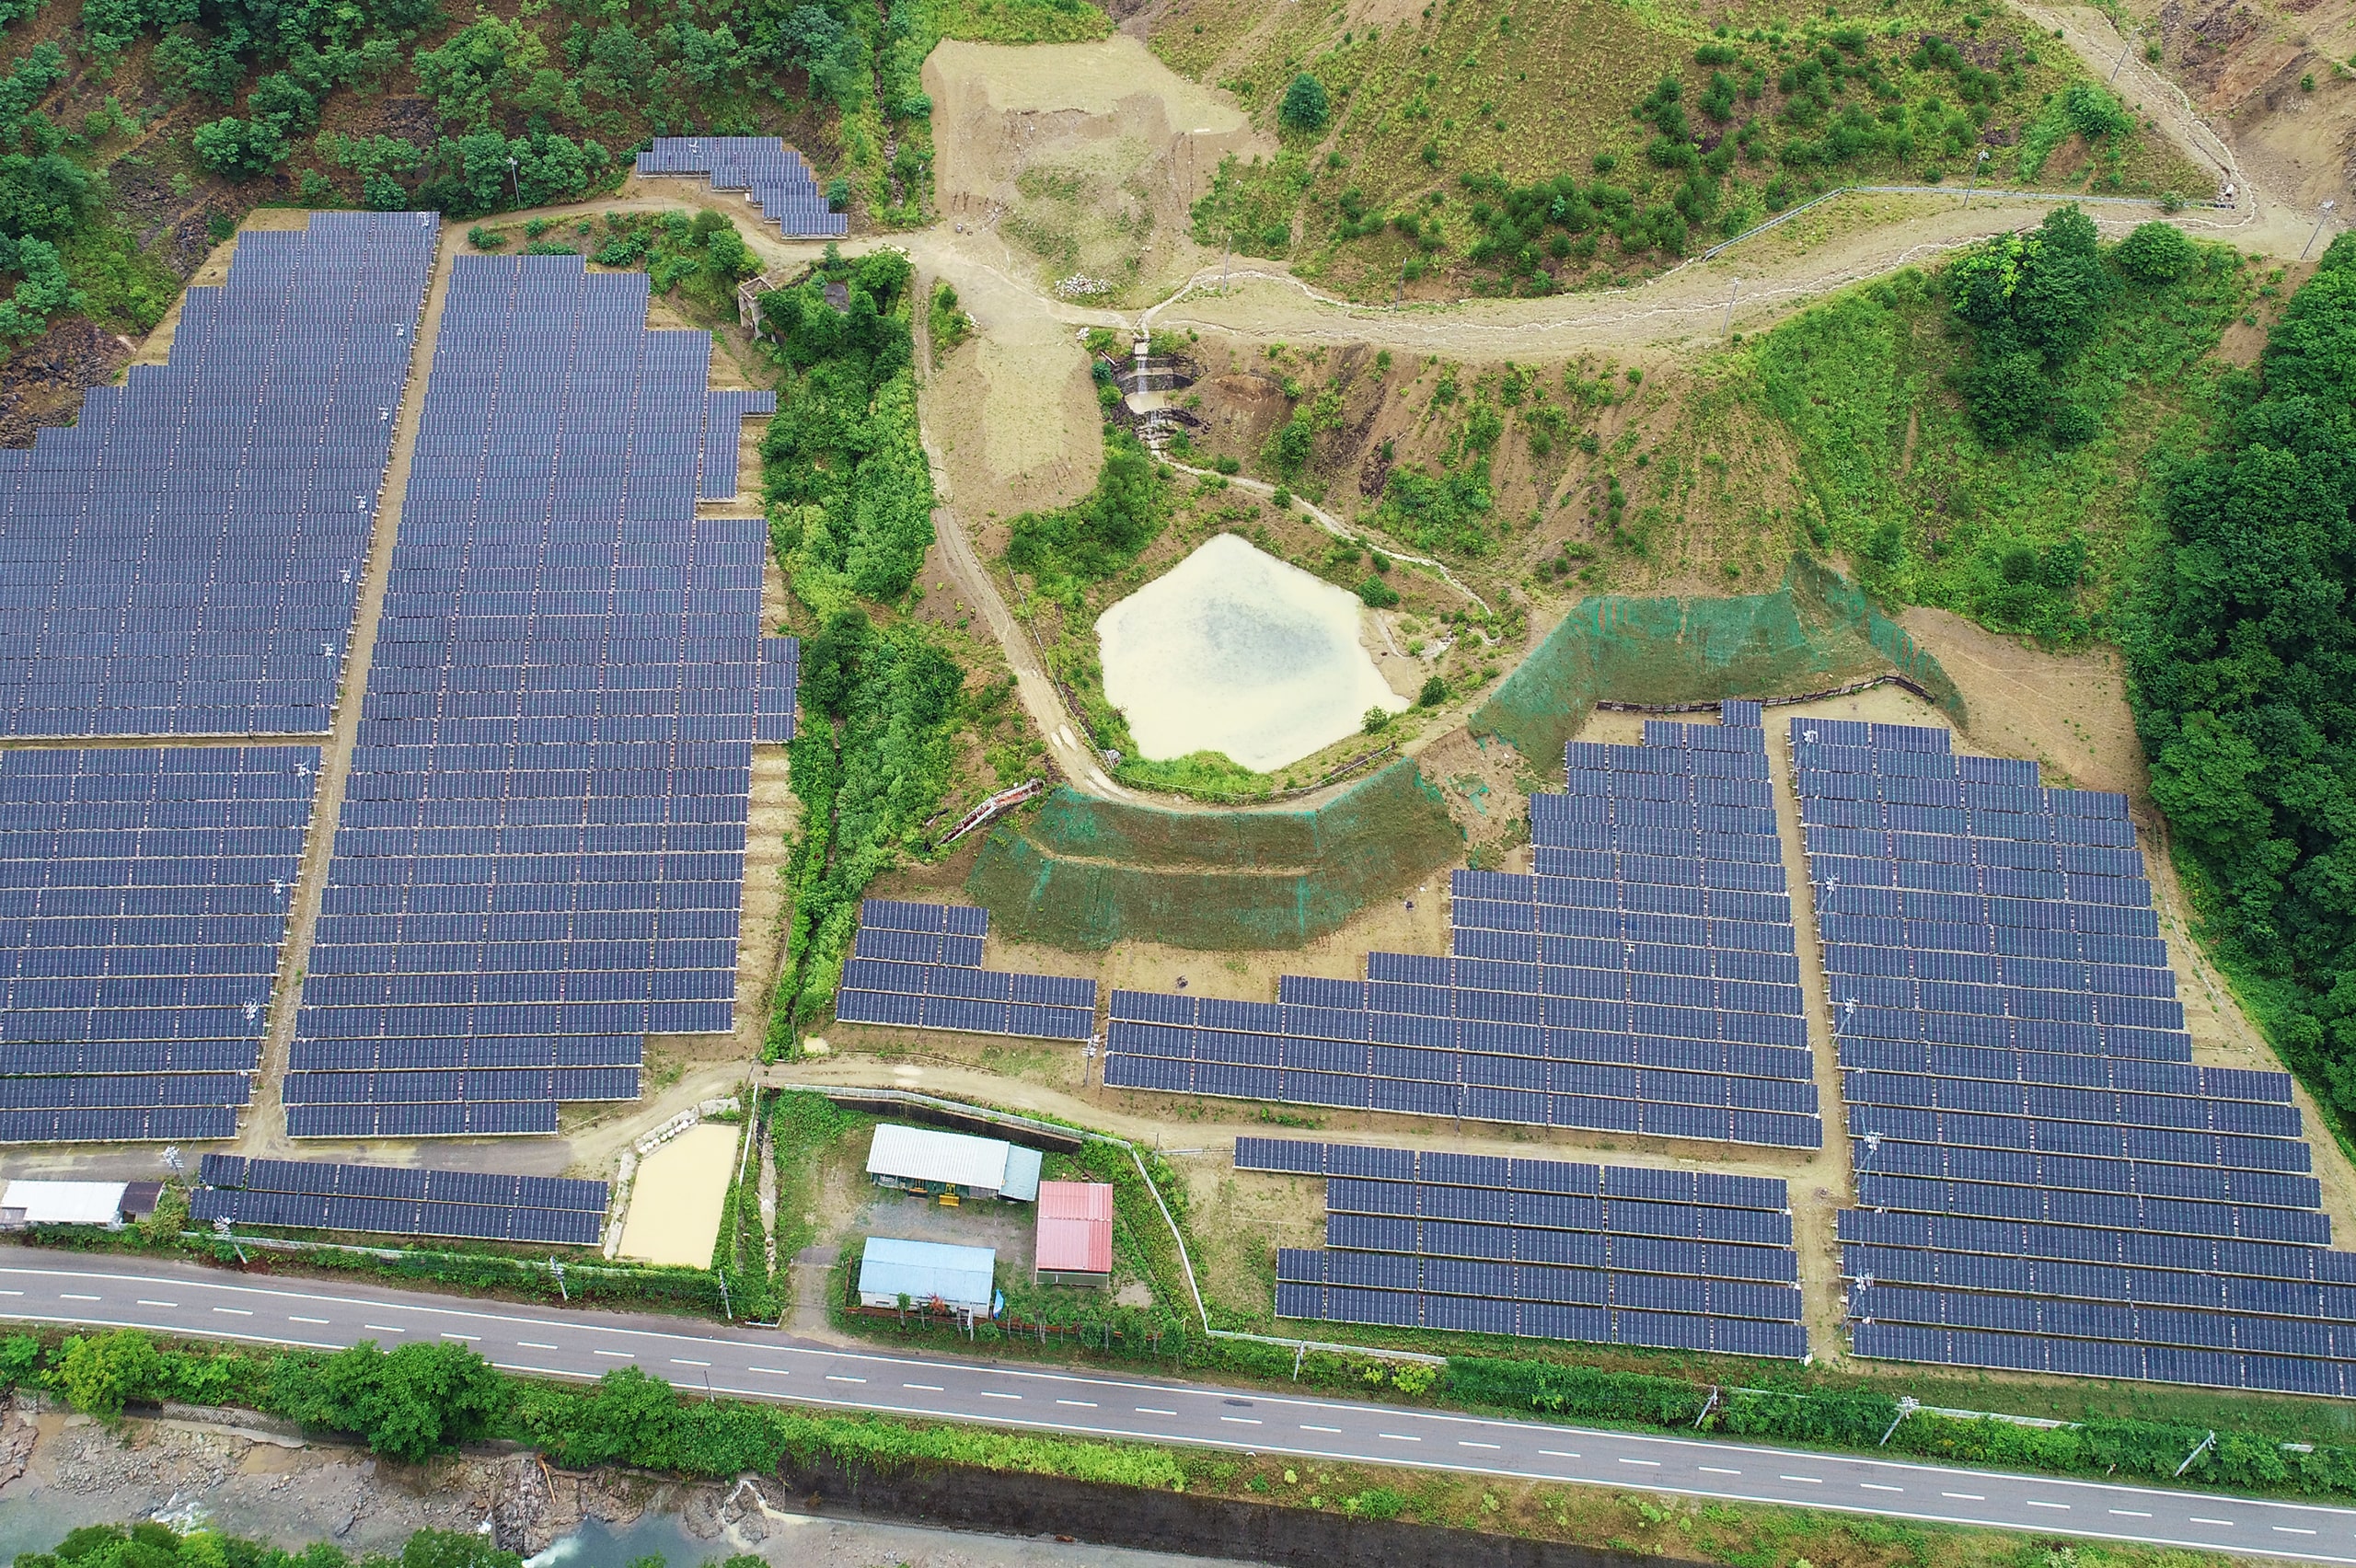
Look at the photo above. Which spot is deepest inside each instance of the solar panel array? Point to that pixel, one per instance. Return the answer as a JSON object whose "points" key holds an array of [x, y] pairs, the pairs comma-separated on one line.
{"points": [[779, 182], [184, 560], [398, 1201], [724, 414], [781, 672], [144, 894], [1646, 980], [1541, 1248], [541, 855], [920, 965], [2045, 1180]]}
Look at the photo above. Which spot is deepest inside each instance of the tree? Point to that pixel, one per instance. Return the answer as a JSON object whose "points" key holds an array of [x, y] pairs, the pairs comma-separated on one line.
{"points": [[99, 1375], [487, 58], [2154, 253], [1305, 107], [418, 1401], [233, 146], [1434, 692]]}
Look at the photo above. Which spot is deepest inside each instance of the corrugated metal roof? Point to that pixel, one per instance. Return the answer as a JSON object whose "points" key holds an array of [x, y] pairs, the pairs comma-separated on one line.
{"points": [[1075, 1227], [921, 1154], [927, 1270], [66, 1203], [1021, 1173]]}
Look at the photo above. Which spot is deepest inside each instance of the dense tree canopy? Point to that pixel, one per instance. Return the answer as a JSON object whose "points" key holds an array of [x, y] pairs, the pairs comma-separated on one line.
{"points": [[2245, 679]]}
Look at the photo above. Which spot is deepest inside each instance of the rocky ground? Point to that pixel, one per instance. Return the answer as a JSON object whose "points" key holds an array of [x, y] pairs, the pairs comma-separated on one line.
{"points": [[196, 1467]]}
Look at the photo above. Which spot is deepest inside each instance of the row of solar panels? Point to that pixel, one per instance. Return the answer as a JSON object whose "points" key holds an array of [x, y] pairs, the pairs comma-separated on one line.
{"points": [[418, 957], [963, 1015], [396, 1217], [2005, 942], [84, 1092], [427, 1051], [480, 1118], [2048, 1278], [1941, 849], [1567, 1249], [574, 924], [1314, 1007], [1705, 1084], [1557, 1211], [1554, 818], [1993, 1032], [1559, 836], [1908, 763], [1357, 1091], [2092, 1173], [1533, 1283], [2026, 800], [2005, 1064], [774, 174], [1667, 1331], [1299, 1157], [406, 1083], [2271, 1117], [2090, 1358], [327, 1178], [1989, 1200], [168, 1124], [1892, 993], [635, 984], [1877, 816], [1496, 1041], [1841, 874], [38, 1058], [724, 414], [2169, 1144]]}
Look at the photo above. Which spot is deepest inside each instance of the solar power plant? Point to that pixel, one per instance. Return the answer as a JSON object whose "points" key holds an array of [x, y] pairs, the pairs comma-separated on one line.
{"points": [[144, 894], [1645, 980], [2045, 1180], [920, 965], [185, 560], [1541, 1248], [781, 672], [724, 414], [397, 1201], [779, 182], [541, 855]]}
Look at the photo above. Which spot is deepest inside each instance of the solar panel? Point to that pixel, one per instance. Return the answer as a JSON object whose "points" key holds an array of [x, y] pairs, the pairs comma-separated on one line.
{"points": [[773, 175], [2049, 1183], [400, 1201]]}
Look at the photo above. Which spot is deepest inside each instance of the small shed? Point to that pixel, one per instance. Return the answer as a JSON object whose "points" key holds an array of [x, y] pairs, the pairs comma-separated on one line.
{"points": [[1075, 1234], [918, 1159], [927, 1273], [62, 1203]]}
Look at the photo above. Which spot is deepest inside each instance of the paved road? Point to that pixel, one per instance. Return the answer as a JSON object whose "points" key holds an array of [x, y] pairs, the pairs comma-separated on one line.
{"points": [[182, 1298]]}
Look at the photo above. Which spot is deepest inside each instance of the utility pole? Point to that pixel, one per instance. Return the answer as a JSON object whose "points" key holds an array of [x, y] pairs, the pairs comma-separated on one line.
{"points": [[2124, 45], [515, 182], [1976, 168], [2321, 214], [1727, 331]]}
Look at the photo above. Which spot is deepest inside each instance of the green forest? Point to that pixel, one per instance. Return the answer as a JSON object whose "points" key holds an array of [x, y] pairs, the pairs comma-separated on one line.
{"points": [[2243, 653]]}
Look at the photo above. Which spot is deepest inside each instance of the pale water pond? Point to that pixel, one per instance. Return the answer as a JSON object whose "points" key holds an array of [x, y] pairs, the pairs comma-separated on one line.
{"points": [[1234, 650]]}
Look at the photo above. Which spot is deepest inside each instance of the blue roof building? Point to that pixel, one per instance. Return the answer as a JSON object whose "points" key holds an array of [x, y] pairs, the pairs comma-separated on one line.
{"points": [[960, 1278]]}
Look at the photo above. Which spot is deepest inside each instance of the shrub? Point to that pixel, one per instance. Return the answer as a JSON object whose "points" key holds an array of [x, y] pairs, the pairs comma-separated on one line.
{"points": [[2155, 253], [238, 147], [1434, 692], [1377, 593], [1305, 107]]}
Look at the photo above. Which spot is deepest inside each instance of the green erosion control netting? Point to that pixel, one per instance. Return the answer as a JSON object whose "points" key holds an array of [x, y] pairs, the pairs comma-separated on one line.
{"points": [[1816, 631], [1087, 873]]}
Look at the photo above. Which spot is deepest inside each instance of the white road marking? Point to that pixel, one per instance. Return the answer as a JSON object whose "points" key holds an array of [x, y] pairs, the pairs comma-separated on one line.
{"points": [[838, 1377], [682, 1361], [1877, 1486], [388, 1329], [2292, 1530], [69, 1296], [1464, 1442], [1397, 1437], [617, 1354], [446, 1334], [1966, 1496], [1148, 1410], [1082, 1404], [2199, 1520], [534, 1344], [2129, 1514], [772, 1371], [926, 1388], [1811, 1480], [233, 1311], [1652, 1464], [1242, 1420], [294, 1319], [1715, 1469], [1306, 1427], [2035, 1504], [993, 1394], [145, 1302], [1558, 1454]]}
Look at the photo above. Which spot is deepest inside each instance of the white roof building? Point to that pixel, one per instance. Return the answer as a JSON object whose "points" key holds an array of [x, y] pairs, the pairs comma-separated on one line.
{"points": [[62, 1203], [960, 1278], [926, 1161]]}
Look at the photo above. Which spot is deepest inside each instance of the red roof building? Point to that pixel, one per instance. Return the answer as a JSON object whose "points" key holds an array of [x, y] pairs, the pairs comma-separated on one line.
{"points": [[1075, 1234]]}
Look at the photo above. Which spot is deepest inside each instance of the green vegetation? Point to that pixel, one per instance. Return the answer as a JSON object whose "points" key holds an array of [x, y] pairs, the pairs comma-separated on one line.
{"points": [[2078, 369], [1073, 547], [1516, 152], [2242, 662], [150, 1545], [696, 258], [850, 517], [1306, 107]]}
